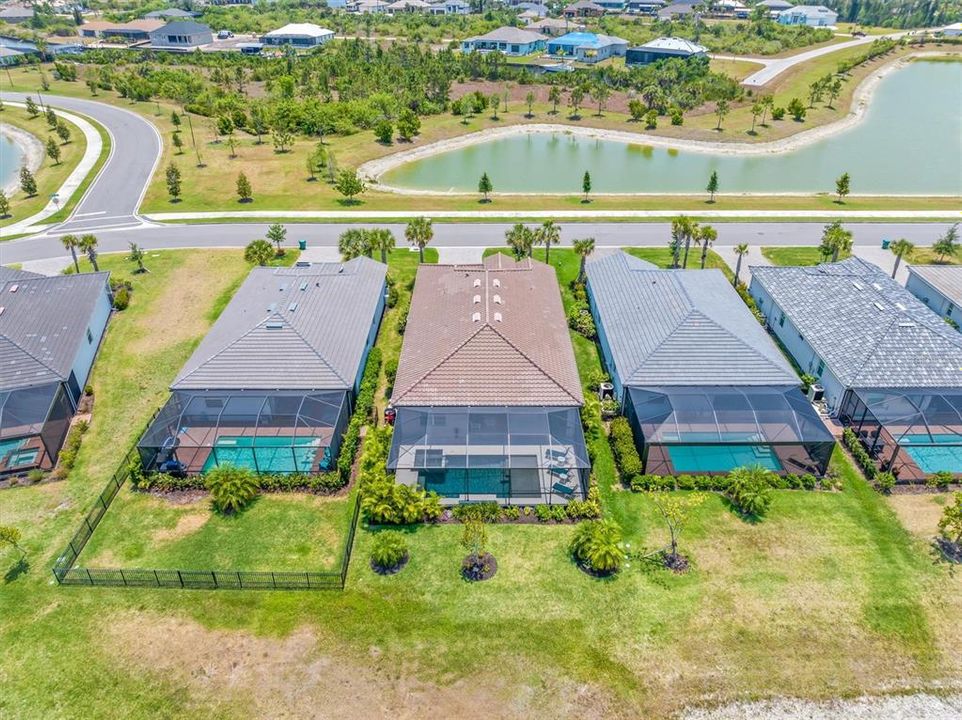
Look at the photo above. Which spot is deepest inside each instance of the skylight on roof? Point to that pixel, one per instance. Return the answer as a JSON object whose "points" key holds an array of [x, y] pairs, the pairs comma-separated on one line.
{"points": [[878, 305], [858, 285]]}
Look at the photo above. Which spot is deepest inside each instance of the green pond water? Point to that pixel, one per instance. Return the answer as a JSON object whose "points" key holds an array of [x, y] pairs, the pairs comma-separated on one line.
{"points": [[910, 142]]}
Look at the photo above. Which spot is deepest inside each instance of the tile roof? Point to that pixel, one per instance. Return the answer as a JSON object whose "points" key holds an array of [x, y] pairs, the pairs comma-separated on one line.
{"points": [[509, 35], [489, 334], [307, 29], [870, 331], [43, 321], [300, 328], [680, 327], [947, 279], [675, 44]]}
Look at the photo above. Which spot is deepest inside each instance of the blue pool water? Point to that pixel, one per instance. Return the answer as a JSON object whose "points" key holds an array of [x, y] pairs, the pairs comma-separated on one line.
{"points": [[938, 454], [13, 456], [273, 454], [720, 458]]}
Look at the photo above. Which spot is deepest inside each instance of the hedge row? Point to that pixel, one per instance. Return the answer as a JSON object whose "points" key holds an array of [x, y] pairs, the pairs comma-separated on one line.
{"points": [[717, 483], [623, 446], [362, 411], [491, 512], [859, 453], [292, 482]]}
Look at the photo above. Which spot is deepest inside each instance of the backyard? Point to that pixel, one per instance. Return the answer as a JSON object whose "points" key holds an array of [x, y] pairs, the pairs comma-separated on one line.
{"points": [[788, 255]]}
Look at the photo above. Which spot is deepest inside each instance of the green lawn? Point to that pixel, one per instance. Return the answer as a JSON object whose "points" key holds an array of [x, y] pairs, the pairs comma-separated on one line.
{"points": [[809, 255]]}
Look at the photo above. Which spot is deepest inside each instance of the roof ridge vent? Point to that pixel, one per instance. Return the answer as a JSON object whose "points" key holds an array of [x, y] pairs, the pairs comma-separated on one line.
{"points": [[476, 317], [879, 306], [497, 300], [497, 317], [858, 285], [477, 282], [906, 324], [477, 299], [496, 282]]}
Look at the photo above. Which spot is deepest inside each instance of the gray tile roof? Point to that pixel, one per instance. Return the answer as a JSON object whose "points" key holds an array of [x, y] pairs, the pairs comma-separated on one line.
{"points": [[300, 328], [680, 327], [43, 321], [869, 330], [509, 35], [8, 273], [947, 279]]}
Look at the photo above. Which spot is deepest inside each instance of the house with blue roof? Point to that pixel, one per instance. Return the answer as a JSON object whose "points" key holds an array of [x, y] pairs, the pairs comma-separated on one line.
{"points": [[703, 386], [587, 47]]}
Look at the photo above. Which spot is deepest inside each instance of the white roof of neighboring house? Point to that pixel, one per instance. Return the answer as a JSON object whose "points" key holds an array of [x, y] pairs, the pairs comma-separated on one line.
{"points": [[307, 29], [405, 4], [675, 44]]}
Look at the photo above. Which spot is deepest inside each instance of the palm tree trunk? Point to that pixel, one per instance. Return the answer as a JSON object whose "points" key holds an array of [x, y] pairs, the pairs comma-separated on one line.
{"points": [[76, 265], [581, 270], [738, 269], [384, 256], [684, 264], [547, 250], [704, 255], [421, 254]]}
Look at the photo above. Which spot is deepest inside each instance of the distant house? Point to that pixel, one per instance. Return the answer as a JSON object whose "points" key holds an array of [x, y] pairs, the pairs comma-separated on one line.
{"points": [[368, 7], [553, 27], [507, 40], [298, 35], [679, 10], [272, 385], [644, 7], [16, 14], [939, 287], [953, 30], [172, 14], [408, 6], [663, 48], [583, 8], [775, 6], [50, 331], [487, 395], [133, 31], [449, 7], [612, 6], [587, 47], [811, 15], [181, 35]]}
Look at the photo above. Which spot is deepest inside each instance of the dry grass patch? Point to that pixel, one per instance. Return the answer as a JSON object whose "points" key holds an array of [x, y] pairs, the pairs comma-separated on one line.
{"points": [[187, 524]]}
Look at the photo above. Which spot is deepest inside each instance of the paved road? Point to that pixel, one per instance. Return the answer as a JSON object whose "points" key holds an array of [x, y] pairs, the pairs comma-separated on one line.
{"points": [[463, 235], [114, 197]]}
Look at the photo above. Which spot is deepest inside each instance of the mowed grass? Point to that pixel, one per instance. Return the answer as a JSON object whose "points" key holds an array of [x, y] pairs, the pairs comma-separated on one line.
{"points": [[790, 255], [830, 595]]}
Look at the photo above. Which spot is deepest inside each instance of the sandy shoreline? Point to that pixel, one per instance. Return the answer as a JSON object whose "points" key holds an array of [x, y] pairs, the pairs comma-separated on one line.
{"points": [[373, 170], [33, 152]]}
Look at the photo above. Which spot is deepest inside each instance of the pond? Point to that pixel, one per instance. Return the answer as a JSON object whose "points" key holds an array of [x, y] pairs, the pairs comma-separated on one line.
{"points": [[910, 142], [11, 158]]}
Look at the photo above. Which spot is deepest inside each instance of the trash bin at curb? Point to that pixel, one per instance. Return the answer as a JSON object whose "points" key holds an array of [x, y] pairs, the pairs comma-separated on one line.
{"points": [[302, 244], [885, 244]]}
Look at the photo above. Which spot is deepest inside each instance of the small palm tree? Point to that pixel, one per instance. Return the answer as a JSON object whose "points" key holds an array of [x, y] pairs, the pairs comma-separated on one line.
{"points": [[259, 252], [231, 488], [419, 232], [520, 239], [381, 239], [683, 230], [88, 244], [548, 234], [72, 242], [354, 243], [741, 251], [901, 248], [583, 247], [705, 237]]}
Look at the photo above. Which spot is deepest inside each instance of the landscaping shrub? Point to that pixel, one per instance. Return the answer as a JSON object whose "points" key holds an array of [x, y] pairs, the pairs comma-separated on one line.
{"points": [[392, 292], [121, 299], [622, 440], [749, 489], [362, 411], [484, 511], [231, 488], [402, 318], [643, 483], [548, 513], [941, 480], [597, 546], [390, 372], [580, 320], [385, 502], [951, 523], [510, 512], [479, 563], [884, 482], [71, 446], [859, 453], [389, 550]]}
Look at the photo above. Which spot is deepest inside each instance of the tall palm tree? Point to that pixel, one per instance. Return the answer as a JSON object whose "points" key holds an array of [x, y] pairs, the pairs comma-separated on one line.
{"points": [[548, 234], [381, 239], [835, 241], [419, 232], [683, 230], [705, 237], [72, 242], [900, 247], [88, 244], [741, 251], [583, 247], [520, 239], [354, 243]]}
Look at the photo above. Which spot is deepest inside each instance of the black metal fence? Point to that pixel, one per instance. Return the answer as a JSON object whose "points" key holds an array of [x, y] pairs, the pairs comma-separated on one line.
{"points": [[66, 574]]}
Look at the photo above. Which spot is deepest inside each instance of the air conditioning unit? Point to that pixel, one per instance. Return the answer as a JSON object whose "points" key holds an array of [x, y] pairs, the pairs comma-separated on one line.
{"points": [[606, 391], [816, 393]]}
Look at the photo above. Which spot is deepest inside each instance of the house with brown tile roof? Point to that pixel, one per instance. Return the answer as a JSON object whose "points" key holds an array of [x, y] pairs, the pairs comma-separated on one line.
{"points": [[487, 393]]}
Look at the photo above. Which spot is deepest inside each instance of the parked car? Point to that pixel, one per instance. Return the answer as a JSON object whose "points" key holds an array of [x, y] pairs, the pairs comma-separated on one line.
{"points": [[224, 34]]}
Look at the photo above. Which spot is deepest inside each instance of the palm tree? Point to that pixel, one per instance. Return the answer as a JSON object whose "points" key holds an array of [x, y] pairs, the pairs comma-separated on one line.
{"points": [[741, 251], [72, 242], [381, 239], [354, 243], [900, 247], [683, 229], [419, 232], [583, 247], [548, 234], [705, 237], [88, 244], [835, 241], [520, 239]]}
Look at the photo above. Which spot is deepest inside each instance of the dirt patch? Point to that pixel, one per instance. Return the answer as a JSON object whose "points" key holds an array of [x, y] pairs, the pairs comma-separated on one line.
{"points": [[919, 513], [186, 525], [902, 707]]}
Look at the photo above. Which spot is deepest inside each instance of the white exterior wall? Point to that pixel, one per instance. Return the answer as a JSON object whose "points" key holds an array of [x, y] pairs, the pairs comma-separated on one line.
{"points": [[935, 300]]}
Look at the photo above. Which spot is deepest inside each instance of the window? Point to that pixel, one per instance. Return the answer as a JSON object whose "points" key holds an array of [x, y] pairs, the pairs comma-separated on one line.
{"points": [[820, 369], [90, 337], [949, 309], [781, 320]]}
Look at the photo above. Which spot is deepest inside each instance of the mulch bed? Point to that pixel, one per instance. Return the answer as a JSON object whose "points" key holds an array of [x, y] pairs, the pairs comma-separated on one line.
{"points": [[588, 570], [179, 497], [481, 568], [394, 569], [448, 518], [950, 551], [677, 563]]}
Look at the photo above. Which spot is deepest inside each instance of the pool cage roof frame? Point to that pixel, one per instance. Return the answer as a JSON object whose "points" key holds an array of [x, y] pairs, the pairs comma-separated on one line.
{"points": [[915, 409], [22, 418]]}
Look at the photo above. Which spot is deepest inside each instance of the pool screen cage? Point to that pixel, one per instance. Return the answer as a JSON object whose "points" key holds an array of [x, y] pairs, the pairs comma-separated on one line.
{"points": [[911, 433], [511, 455], [33, 424], [714, 429], [268, 432]]}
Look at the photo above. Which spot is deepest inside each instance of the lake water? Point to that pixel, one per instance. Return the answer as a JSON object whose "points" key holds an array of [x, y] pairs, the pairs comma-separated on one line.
{"points": [[11, 158], [910, 142]]}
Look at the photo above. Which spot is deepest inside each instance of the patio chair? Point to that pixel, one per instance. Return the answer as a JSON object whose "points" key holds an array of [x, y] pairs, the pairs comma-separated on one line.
{"points": [[563, 489]]}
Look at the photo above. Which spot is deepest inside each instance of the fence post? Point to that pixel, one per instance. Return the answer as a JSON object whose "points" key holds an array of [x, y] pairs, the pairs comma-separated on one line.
{"points": [[213, 576], [123, 577], [90, 580], [156, 578], [180, 578]]}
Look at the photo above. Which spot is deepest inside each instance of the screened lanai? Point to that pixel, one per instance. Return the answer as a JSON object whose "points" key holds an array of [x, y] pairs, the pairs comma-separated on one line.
{"points": [[268, 432], [708, 430], [913, 433], [511, 455], [33, 424]]}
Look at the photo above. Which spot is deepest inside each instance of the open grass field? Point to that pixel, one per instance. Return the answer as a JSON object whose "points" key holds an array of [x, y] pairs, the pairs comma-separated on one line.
{"points": [[830, 595], [788, 255]]}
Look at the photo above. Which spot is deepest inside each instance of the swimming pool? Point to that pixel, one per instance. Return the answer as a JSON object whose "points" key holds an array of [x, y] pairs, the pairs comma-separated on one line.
{"points": [[721, 458], [13, 455], [939, 452], [268, 454]]}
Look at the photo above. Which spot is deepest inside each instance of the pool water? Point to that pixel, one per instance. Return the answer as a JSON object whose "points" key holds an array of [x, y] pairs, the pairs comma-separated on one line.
{"points": [[272, 454], [454, 483], [937, 455], [12, 454], [721, 458]]}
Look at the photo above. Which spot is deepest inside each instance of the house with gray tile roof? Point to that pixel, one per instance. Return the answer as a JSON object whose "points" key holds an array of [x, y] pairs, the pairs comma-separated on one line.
{"points": [[272, 384], [506, 40], [487, 394], [50, 331], [939, 287], [705, 388]]}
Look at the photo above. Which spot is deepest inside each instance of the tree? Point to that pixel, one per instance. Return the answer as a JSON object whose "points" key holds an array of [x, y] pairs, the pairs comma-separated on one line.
{"points": [[231, 488], [91, 84], [651, 120], [842, 186], [4, 204], [600, 94], [419, 233], [520, 239], [586, 185], [485, 186], [548, 234], [757, 109], [749, 489], [529, 101], [245, 193], [11, 536], [797, 109], [355, 242], [676, 511], [312, 166], [53, 150], [63, 132], [72, 242], [178, 143], [575, 98], [175, 119], [27, 182], [88, 244], [947, 244], [232, 145], [706, 237], [554, 97], [583, 248], [349, 184], [768, 102], [282, 138], [836, 240], [597, 545], [173, 182], [900, 247], [683, 231], [384, 131], [636, 109], [951, 523], [721, 111], [495, 101], [712, 186], [277, 234], [741, 250], [474, 539], [834, 90], [32, 109], [382, 240], [408, 125], [259, 252], [136, 256], [51, 117]]}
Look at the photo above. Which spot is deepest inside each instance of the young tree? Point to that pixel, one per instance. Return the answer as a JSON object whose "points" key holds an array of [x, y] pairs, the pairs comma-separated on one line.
{"points": [[88, 244], [245, 193], [384, 132], [72, 242], [757, 109], [349, 184], [382, 240], [4, 205], [485, 186], [636, 109], [797, 109], [53, 150], [520, 239], [741, 250], [586, 185], [675, 511], [600, 93], [177, 142], [32, 109], [768, 102], [419, 232], [706, 237], [554, 97], [495, 102], [900, 247], [282, 138], [474, 539], [548, 234], [312, 166], [173, 182], [842, 186], [834, 90], [575, 98], [332, 168], [529, 101], [10, 536], [63, 132], [721, 111], [232, 145], [136, 256], [91, 84], [175, 119], [27, 182], [651, 120], [583, 248], [836, 240], [951, 523], [712, 186], [51, 117], [277, 234], [408, 125], [259, 252], [948, 244]]}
